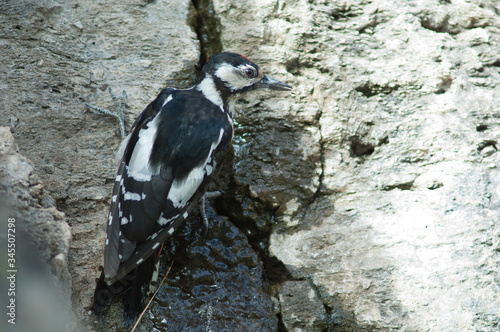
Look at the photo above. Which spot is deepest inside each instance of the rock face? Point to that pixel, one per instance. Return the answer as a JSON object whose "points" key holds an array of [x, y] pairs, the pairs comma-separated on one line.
{"points": [[370, 194], [392, 213], [301, 307]]}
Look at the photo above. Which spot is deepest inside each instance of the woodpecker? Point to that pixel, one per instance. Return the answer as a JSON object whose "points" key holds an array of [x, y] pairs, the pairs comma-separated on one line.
{"points": [[174, 150]]}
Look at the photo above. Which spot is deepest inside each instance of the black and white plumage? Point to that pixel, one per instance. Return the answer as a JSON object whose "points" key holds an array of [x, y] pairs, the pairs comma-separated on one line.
{"points": [[176, 146]]}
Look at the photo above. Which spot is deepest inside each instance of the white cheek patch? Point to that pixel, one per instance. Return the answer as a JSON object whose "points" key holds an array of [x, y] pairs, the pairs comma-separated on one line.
{"points": [[232, 77]]}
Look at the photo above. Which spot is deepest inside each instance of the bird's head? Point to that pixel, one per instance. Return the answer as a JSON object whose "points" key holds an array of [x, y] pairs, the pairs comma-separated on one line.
{"points": [[234, 74]]}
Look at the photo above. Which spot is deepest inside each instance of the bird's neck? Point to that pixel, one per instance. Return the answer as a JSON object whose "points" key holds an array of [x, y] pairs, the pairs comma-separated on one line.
{"points": [[215, 91]]}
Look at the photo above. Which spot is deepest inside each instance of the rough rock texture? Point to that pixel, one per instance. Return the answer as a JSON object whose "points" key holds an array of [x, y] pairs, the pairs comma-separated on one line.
{"points": [[396, 224], [375, 183], [301, 307], [399, 232]]}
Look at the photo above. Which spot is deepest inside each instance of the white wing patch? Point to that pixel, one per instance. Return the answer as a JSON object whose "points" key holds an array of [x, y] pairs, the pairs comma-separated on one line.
{"points": [[138, 166], [209, 169], [182, 190], [131, 196], [121, 149], [163, 221], [169, 98]]}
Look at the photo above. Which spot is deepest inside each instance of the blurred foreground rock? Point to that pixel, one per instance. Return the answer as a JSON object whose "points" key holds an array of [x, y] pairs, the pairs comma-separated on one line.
{"points": [[35, 242]]}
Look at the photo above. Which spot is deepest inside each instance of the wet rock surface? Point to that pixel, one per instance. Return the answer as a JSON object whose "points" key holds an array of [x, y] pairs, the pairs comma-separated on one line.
{"points": [[374, 183], [216, 283]]}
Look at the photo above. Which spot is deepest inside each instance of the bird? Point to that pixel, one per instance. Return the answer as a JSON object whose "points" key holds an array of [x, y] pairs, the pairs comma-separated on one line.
{"points": [[175, 148]]}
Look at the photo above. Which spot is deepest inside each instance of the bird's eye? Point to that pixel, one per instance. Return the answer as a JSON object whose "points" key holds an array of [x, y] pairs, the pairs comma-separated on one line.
{"points": [[250, 72]]}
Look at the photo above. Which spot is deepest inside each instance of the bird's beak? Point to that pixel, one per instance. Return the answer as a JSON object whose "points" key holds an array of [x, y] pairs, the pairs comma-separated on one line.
{"points": [[270, 83]]}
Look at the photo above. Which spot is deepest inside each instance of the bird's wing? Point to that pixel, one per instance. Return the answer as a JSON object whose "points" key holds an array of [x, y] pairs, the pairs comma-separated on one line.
{"points": [[167, 163], [116, 245]]}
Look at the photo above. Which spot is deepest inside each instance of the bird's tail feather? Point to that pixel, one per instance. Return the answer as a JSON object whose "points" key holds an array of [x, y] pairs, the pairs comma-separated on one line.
{"points": [[133, 299], [132, 289]]}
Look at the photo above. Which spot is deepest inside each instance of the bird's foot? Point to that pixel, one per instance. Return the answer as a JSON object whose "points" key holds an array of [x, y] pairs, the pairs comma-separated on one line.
{"points": [[153, 285], [119, 114], [210, 194]]}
